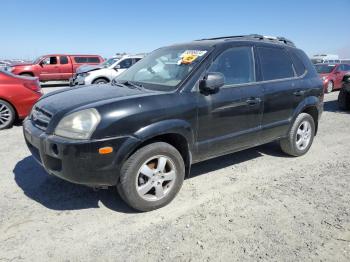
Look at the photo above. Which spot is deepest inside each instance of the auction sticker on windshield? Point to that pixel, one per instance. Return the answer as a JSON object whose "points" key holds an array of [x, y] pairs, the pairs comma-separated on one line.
{"points": [[189, 56]]}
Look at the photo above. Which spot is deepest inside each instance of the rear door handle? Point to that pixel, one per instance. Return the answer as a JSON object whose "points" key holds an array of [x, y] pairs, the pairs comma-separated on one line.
{"points": [[253, 101], [299, 93]]}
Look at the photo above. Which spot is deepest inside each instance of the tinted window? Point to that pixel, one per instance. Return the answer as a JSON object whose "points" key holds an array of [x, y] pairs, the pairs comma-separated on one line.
{"points": [[63, 60], [93, 59], [236, 64], [125, 63], [275, 63], [347, 67], [298, 63], [80, 59]]}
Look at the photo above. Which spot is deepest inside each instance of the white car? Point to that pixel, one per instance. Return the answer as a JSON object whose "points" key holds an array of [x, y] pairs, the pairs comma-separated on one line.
{"points": [[105, 72]]}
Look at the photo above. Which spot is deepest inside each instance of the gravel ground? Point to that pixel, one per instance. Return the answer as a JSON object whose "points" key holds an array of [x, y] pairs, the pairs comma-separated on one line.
{"points": [[254, 205]]}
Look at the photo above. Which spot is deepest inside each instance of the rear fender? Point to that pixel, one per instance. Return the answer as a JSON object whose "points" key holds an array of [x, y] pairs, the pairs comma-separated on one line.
{"points": [[311, 101]]}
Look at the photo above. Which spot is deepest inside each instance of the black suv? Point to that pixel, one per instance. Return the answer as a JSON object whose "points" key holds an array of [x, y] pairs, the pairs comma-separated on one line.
{"points": [[344, 94], [179, 105]]}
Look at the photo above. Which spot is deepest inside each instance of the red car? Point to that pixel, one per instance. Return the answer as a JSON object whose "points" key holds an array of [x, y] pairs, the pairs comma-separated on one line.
{"points": [[55, 67], [332, 75], [17, 96]]}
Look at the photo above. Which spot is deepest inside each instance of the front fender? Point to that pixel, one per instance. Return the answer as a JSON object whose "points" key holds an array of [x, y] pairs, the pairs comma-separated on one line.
{"points": [[171, 126]]}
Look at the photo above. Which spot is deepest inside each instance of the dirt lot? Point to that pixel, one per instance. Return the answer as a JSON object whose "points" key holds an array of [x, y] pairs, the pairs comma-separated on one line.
{"points": [[254, 205]]}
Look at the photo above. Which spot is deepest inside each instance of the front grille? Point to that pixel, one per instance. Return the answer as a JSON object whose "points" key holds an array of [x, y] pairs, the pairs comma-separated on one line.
{"points": [[40, 118]]}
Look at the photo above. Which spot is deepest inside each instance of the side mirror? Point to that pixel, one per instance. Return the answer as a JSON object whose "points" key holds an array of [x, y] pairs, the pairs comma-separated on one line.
{"points": [[42, 63], [212, 83], [117, 67]]}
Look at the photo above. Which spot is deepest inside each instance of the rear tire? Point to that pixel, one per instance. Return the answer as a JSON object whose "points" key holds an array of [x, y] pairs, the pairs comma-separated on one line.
{"points": [[100, 81], [300, 136], [151, 177], [344, 99], [7, 115]]}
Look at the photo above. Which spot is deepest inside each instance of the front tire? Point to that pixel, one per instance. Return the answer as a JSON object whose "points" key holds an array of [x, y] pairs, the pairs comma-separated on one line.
{"points": [[330, 87], [7, 115], [100, 81], [300, 136], [151, 177]]}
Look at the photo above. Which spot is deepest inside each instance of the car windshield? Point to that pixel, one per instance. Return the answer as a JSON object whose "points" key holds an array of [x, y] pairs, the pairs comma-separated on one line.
{"points": [[164, 69], [37, 60], [110, 62], [324, 69]]}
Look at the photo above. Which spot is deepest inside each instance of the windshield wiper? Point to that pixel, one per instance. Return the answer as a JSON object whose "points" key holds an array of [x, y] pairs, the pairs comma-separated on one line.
{"points": [[128, 84]]}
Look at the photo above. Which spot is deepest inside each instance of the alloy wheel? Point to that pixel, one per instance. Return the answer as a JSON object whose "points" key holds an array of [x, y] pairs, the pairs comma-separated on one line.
{"points": [[156, 178], [5, 115], [303, 136]]}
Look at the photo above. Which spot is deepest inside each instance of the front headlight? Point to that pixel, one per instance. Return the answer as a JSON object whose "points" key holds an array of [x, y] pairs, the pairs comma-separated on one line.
{"points": [[78, 125], [83, 74], [324, 78]]}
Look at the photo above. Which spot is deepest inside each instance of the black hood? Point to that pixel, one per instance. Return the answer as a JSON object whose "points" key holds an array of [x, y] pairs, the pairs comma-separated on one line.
{"points": [[70, 99]]}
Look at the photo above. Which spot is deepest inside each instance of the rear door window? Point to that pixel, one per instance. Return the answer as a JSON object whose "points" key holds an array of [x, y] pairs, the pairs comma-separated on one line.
{"points": [[275, 63], [63, 60]]}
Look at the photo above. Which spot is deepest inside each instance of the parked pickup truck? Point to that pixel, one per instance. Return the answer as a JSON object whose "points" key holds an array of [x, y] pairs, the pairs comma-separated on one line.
{"points": [[55, 67]]}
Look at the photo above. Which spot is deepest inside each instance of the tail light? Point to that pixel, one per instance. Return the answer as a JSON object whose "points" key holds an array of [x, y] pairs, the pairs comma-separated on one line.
{"points": [[33, 85]]}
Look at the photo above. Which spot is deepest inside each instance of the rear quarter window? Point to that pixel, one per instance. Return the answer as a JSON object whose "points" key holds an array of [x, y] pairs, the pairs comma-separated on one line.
{"points": [[93, 60], [298, 63], [80, 59], [87, 59]]}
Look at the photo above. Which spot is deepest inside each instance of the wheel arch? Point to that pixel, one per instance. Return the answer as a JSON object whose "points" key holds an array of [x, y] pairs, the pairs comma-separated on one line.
{"points": [[27, 73], [310, 106], [101, 77], [174, 139], [177, 133]]}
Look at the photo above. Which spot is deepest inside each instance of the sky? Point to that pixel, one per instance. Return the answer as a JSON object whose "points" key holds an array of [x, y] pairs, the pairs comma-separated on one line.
{"points": [[33, 28]]}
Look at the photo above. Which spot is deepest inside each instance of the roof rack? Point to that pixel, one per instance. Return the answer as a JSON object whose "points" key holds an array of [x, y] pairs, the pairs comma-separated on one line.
{"points": [[275, 39]]}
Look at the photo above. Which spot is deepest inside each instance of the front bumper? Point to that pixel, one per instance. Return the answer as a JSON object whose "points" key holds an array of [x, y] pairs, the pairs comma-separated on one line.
{"points": [[76, 80], [78, 161]]}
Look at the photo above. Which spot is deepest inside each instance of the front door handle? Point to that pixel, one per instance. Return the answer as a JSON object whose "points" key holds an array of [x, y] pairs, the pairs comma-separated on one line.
{"points": [[253, 101], [299, 93]]}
